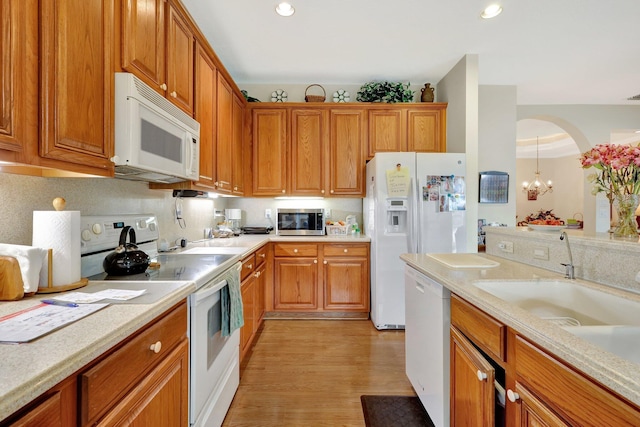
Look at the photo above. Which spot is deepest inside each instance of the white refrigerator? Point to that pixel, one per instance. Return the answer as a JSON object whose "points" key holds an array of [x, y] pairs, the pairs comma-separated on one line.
{"points": [[415, 203]]}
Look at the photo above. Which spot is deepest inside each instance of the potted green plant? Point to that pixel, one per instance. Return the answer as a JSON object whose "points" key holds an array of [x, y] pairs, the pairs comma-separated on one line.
{"points": [[385, 92]]}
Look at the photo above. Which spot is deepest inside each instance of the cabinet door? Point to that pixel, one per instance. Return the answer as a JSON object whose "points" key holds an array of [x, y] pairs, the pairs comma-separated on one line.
{"points": [[387, 131], [427, 131], [346, 165], [205, 115], [308, 158], [472, 396], [57, 408], [237, 147], [224, 144], [296, 284], [76, 94], [532, 412], [143, 41], [260, 303], [248, 309], [346, 284], [18, 76], [161, 398], [269, 130], [179, 57]]}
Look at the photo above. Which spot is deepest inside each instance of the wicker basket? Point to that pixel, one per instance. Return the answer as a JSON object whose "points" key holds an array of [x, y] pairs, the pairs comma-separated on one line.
{"points": [[315, 98]]}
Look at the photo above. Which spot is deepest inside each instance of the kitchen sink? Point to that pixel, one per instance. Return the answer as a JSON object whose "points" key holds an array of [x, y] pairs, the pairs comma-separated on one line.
{"points": [[566, 302], [623, 341], [215, 250]]}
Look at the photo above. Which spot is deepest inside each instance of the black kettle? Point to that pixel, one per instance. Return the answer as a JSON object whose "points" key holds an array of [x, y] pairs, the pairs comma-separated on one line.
{"points": [[127, 258]]}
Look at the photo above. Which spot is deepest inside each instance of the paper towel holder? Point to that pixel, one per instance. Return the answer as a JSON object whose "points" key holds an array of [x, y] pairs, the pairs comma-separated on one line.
{"points": [[59, 204]]}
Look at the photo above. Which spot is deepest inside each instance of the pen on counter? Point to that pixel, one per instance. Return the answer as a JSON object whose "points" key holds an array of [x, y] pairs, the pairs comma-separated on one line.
{"points": [[61, 303]]}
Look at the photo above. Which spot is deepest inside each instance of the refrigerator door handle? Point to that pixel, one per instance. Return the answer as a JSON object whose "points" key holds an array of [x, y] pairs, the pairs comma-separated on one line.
{"points": [[414, 235]]}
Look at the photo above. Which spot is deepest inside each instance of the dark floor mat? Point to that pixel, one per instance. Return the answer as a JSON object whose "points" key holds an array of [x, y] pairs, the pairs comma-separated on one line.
{"points": [[394, 411]]}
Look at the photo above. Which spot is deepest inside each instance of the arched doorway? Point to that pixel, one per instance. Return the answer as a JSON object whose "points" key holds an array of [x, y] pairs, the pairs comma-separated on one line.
{"points": [[546, 146]]}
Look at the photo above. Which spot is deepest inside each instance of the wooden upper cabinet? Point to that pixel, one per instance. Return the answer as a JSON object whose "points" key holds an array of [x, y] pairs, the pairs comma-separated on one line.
{"points": [[157, 46], [308, 152], [237, 147], [205, 114], [269, 146], [347, 163], [76, 84], [143, 41], [224, 143], [18, 77], [427, 129], [387, 131], [179, 59]]}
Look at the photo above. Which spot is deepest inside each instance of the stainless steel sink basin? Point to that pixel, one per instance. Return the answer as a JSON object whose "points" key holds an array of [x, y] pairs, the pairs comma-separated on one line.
{"points": [[566, 300]]}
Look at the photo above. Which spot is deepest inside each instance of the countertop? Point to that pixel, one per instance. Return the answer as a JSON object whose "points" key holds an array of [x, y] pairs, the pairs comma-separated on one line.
{"points": [[618, 374], [30, 369]]}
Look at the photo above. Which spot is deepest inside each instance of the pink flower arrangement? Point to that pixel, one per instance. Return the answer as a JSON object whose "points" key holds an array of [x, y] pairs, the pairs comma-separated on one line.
{"points": [[619, 169]]}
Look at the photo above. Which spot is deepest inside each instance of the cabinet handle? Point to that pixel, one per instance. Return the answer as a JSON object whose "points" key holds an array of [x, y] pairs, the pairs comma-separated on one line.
{"points": [[235, 188], [156, 347], [249, 266], [262, 255], [512, 396], [322, 191], [163, 86], [282, 191], [331, 191], [257, 274], [346, 250], [174, 94], [481, 375], [325, 262], [295, 251]]}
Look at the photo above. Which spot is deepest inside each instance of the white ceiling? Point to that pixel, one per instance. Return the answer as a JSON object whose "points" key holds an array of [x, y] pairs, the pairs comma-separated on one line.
{"points": [[555, 52]]}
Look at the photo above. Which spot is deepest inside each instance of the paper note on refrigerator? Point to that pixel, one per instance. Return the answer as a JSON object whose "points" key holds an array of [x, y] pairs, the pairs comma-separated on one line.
{"points": [[398, 182]]}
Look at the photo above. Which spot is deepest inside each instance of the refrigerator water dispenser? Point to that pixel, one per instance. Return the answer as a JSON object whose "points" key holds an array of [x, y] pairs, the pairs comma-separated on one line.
{"points": [[396, 215]]}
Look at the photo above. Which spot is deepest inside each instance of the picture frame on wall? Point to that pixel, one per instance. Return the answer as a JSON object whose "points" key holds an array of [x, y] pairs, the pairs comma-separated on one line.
{"points": [[493, 187]]}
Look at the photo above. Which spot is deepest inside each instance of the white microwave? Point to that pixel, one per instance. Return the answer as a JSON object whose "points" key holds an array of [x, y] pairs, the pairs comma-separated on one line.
{"points": [[155, 141]]}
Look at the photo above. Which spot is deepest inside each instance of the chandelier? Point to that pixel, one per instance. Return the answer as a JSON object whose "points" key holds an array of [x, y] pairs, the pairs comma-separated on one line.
{"points": [[537, 187]]}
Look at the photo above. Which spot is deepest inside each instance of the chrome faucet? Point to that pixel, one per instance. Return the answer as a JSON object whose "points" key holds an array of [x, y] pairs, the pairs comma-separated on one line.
{"points": [[569, 271]]}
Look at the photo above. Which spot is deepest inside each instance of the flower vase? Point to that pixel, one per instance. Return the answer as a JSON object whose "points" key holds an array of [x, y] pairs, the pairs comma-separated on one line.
{"points": [[625, 205]]}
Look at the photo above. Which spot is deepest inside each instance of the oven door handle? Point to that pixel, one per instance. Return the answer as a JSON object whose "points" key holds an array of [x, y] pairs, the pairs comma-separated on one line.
{"points": [[209, 290]]}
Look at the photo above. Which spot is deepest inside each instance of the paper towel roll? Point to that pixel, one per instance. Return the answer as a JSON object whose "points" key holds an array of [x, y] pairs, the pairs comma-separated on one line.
{"points": [[59, 231]]}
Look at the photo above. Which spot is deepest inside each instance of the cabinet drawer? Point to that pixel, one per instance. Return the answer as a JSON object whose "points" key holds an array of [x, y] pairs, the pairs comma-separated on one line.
{"points": [[481, 328], [345, 250], [568, 392], [295, 249], [109, 380], [261, 256], [248, 266]]}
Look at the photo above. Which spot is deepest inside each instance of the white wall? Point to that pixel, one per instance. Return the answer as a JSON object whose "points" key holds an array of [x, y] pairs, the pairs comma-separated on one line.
{"points": [[497, 146], [459, 88]]}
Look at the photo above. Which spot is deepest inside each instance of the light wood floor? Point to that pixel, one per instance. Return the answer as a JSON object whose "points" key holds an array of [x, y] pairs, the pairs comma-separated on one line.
{"points": [[312, 373]]}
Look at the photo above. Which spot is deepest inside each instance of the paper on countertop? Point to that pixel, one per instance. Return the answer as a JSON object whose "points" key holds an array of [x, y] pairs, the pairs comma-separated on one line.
{"points": [[29, 324], [30, 260], [112, 294]]}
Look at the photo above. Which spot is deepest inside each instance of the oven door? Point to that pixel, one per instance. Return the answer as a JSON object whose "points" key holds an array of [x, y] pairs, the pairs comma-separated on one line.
{"points": [[214, 367]]}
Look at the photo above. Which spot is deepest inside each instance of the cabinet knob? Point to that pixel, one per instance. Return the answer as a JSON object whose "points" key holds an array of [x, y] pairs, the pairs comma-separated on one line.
{"points": [[295, 251], [163, 86], [262, 255], [346, 250], [235, 188], [331, 191], [156, 347], [325, 262], [256, 274], [481, 375], [174, 94], [512, 395], [249, 266], [282, 191], [322, 191]]}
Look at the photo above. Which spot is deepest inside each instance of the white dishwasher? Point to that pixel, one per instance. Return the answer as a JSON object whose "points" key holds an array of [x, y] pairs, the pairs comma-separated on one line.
{"points": [[428, 317]]}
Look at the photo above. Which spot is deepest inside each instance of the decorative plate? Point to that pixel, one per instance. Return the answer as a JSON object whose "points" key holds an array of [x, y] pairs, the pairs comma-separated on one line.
{"points": [[341, 95], [540, 227], [279, 95]]}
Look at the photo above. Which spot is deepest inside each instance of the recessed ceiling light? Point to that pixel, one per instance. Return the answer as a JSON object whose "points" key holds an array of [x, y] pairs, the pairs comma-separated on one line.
{"points": [[491, 11], [285, 9]]}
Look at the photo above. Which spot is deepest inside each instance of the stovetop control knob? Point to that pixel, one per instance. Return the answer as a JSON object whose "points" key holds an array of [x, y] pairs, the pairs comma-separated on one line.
{"points": [[152, 226], [142, 224], [96, 228], [86, 235]]}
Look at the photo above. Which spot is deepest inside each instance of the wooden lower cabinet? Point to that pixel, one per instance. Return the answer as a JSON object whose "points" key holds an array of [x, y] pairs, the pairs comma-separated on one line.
{"points": [[471, 380], [248, 308], [56, 408], [161, 399], [322, 277], [543, 390], [253, 290]]}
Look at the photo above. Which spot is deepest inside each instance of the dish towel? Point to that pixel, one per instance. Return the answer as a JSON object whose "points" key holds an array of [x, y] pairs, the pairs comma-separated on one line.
{"points": [[231, 300], [30, 260]]}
